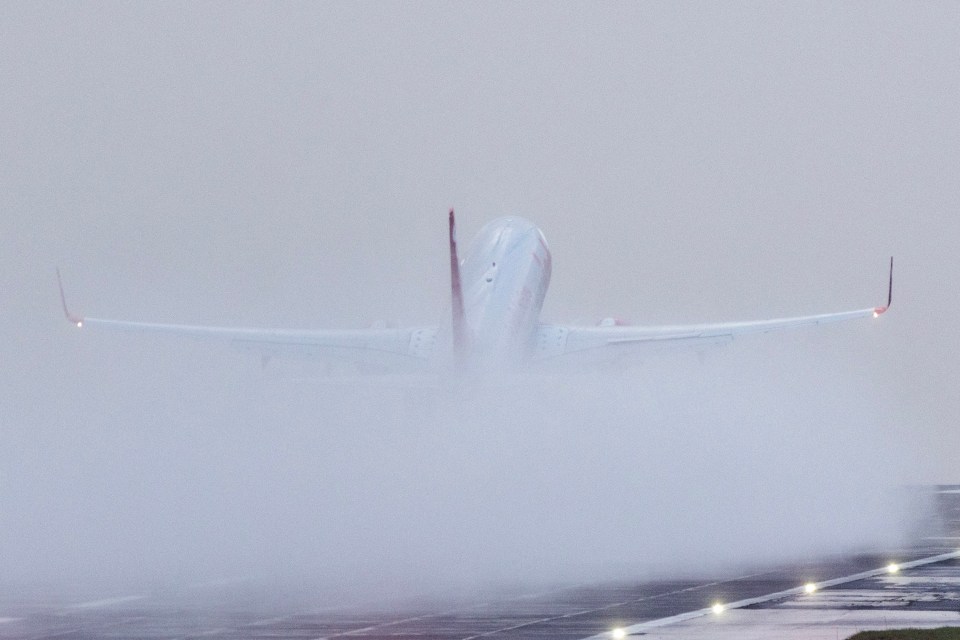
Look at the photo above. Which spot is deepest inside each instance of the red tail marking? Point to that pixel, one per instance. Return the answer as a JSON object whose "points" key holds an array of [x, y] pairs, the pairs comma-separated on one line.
{"points": [[459, 315], [878, 310]]}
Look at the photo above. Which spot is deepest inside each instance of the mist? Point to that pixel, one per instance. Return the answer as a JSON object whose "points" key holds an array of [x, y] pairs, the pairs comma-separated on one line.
{"points": [[243, 164], [767, 450]]}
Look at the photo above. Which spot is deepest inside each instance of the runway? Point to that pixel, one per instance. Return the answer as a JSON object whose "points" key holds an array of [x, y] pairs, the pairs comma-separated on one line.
{"points": [[235, 611], [564, 614], [923, 597]]}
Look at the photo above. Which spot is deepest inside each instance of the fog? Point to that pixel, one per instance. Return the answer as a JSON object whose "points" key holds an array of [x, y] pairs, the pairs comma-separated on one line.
{"points": [[757, 454], [291, 166]]}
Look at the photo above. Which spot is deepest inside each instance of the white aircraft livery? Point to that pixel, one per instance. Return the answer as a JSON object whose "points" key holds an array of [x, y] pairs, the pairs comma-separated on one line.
{"points": [[497, 294]]}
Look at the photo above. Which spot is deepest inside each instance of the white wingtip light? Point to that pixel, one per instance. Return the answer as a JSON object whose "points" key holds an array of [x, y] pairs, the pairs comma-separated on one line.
{"points": [[618, 633], [893, 567], [718, 608], [809, 588], [77, 320]]}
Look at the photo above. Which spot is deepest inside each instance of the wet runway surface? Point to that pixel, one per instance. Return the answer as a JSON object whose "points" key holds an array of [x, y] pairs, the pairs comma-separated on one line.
{"points": [[931, 588], [572, 613], [920, 597]]}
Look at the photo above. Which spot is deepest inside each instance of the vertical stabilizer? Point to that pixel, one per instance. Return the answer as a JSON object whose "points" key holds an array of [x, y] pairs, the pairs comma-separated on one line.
{"points": [[459, 315]]}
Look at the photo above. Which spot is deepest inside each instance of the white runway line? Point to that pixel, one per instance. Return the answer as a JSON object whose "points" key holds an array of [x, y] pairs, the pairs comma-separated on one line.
{"points": [[456, 610], [573, 614], [106, 602], [661, 622]]}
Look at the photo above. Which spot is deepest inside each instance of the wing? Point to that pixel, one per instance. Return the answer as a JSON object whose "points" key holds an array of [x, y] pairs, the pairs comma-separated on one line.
{"points": [[604, 343], [393, 349]]}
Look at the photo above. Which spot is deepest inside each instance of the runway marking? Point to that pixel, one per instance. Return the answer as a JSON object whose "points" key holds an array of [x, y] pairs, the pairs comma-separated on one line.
{"points": [[384, 625], [106, 602], [573, 614], [426, 616], [393, 623], [47, 636], [662, 622]]}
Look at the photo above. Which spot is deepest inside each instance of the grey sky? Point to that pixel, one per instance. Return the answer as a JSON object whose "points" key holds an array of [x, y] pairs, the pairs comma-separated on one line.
{"points": [[291, 165]]}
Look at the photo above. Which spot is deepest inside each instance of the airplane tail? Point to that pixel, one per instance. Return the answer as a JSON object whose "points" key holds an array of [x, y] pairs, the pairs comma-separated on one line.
{"points": [[460, 345]]}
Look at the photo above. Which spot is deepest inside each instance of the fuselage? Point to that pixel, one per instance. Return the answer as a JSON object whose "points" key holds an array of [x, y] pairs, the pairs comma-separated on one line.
{"points": [[505, 276]]}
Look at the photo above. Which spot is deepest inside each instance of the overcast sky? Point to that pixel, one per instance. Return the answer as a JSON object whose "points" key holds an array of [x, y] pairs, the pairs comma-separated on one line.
{"points": [[291, 165]]}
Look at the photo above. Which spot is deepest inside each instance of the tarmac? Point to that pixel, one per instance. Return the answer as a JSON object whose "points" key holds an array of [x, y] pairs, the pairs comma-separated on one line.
{"points": [[924, 596], [927, 596], [852, 594]]}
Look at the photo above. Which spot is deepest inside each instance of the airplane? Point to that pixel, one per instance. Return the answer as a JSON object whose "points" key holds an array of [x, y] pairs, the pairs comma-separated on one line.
{"points": [[497, 294]]}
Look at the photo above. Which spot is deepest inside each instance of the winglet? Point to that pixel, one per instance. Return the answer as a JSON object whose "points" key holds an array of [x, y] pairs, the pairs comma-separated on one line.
{"points": [[456, 289], [77, 320], [878, 310]]}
